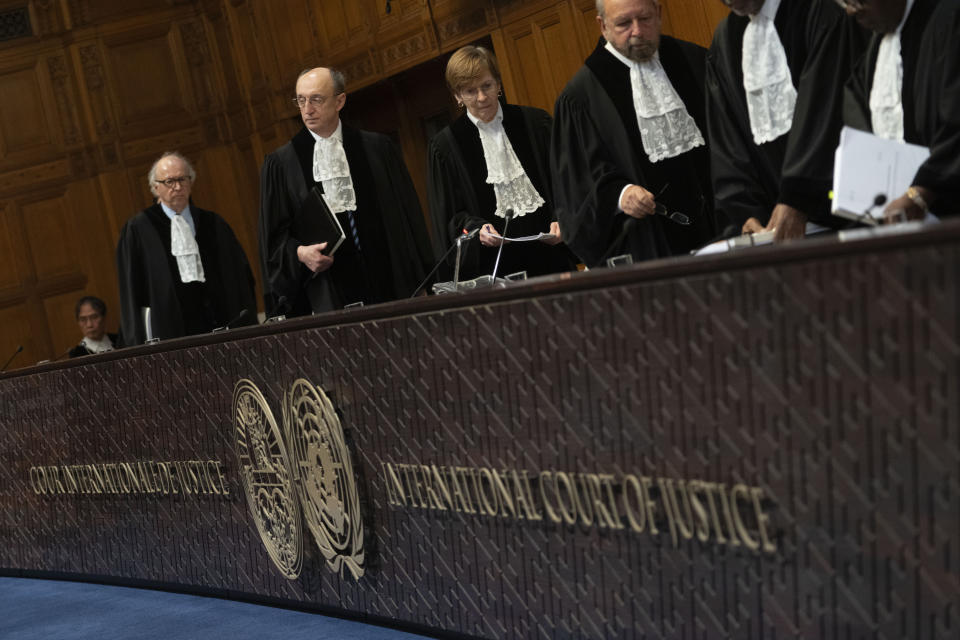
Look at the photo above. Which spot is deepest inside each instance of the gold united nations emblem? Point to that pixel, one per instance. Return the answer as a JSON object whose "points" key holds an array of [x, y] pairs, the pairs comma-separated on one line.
{"points": [[307, 468]]}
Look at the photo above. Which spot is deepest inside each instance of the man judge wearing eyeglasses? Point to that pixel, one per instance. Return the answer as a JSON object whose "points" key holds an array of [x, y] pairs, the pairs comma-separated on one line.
{"points": [[365, 184], [182, 262]]}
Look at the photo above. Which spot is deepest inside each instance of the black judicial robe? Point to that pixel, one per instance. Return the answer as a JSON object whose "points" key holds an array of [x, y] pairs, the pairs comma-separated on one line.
{"points": [[460, 197], [930, 47], [81, 349], [395, 253], [597, 151], [149, 277], [796, 169]]}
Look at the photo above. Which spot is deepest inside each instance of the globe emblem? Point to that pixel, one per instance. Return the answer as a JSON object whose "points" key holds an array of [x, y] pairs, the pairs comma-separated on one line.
{"points": [[265, 473], [324, 477]]}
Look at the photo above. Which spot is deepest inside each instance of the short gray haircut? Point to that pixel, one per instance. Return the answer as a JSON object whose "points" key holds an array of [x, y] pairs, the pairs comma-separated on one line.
{"points": [[152, 175], [339, 80]]}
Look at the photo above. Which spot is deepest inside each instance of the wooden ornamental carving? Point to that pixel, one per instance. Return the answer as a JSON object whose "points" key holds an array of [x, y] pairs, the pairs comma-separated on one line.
{"points": [[15, 23], [65, 99]]}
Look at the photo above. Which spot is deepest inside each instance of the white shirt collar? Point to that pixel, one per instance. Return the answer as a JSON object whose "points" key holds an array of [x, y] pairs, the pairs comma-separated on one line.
{"points": [[906, 14], [497, 119], [185, 213], [768, 10], [624, 59], [336, 136]]}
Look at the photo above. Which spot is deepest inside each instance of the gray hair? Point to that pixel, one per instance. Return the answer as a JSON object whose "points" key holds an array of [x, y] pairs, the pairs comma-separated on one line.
{"points": [[339, 80], [152, 175]]}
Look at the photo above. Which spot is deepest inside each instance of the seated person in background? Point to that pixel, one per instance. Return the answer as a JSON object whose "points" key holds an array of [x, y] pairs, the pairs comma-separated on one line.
{"points": [[775, 76], [494, 158], [907, 88], [628, 145], [91, 313], [181, 261]]}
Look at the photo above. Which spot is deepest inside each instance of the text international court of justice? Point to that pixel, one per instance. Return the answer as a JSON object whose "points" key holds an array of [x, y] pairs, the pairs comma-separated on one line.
{"points": [[487, 318]]}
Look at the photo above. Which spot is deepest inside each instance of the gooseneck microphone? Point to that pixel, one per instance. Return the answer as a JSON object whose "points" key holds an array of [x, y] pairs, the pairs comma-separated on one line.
{"points": [[496, 265], [866, 217], [230, 325], [464, 237], [10, 359]]}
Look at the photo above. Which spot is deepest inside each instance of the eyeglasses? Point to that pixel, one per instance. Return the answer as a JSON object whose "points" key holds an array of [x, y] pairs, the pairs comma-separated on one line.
{"points": [[316, 100], [170, 183], [673, 216], [473, 93]]}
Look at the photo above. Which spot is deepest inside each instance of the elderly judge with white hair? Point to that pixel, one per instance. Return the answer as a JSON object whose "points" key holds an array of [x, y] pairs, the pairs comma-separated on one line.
{"points": [[182, 262]]}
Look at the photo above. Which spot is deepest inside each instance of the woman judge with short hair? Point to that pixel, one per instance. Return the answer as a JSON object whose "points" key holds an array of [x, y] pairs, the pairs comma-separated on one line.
{"points": [[493, 159]]}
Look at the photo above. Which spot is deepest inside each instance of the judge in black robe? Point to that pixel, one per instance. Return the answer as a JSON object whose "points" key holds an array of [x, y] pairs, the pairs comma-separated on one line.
{"points": [[149, 277], [390, 251], [930, 49], [598, 150], [91, 314], [792, 174], [461, 199]]}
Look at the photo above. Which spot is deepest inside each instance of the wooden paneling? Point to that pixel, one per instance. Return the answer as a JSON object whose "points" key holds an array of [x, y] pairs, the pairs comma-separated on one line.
{"points": [[11, 277], [51, 237]]}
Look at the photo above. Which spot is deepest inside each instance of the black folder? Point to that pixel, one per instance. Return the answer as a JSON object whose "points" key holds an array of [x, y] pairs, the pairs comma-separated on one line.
{"points": [[324, 226]]}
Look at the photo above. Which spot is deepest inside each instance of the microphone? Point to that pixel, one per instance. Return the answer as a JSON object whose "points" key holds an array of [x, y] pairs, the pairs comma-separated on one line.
{"points": [[64, 354], [628, 224], [496, 265], [280, 309], [866, 217], [466, 236], [15, 353], [240, 316]]}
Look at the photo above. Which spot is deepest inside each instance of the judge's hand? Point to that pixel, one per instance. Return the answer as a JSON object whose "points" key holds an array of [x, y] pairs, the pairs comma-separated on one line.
{"points": [[637, 202], [789, 223], [489, 236], [312, 256], [555, 235], [901, 210], [752, 225]]}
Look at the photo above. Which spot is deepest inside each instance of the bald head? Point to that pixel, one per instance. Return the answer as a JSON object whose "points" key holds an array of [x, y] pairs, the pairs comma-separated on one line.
{"points": [[631, 26], [602, 6], [320, 95]]}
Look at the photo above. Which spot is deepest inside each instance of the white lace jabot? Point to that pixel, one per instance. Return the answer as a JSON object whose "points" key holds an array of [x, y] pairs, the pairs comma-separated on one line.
{"points": [[666, 127], [886, 96], [330, 168], [510, 182], [183, 245], [771, 96], [98, 346]]}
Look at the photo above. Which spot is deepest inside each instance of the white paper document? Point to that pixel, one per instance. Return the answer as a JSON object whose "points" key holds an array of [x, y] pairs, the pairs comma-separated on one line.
{"points": [[533, 238], [867, 166]]}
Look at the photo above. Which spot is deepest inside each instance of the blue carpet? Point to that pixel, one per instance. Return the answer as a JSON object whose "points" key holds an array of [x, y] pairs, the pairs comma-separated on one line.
{"points": [[54, 610]]}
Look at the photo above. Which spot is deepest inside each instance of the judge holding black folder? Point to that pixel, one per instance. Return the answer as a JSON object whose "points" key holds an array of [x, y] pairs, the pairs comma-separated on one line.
{"points": [[330, 168], [494, 158]]}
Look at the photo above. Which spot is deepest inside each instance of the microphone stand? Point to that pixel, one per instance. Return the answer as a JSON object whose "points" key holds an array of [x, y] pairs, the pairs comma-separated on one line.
{"points": [[508, 214], [456, 245], [3, 369]]}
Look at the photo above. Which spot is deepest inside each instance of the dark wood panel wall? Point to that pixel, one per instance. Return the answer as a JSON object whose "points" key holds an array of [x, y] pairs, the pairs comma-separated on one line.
{"points": [[97, 89]]}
